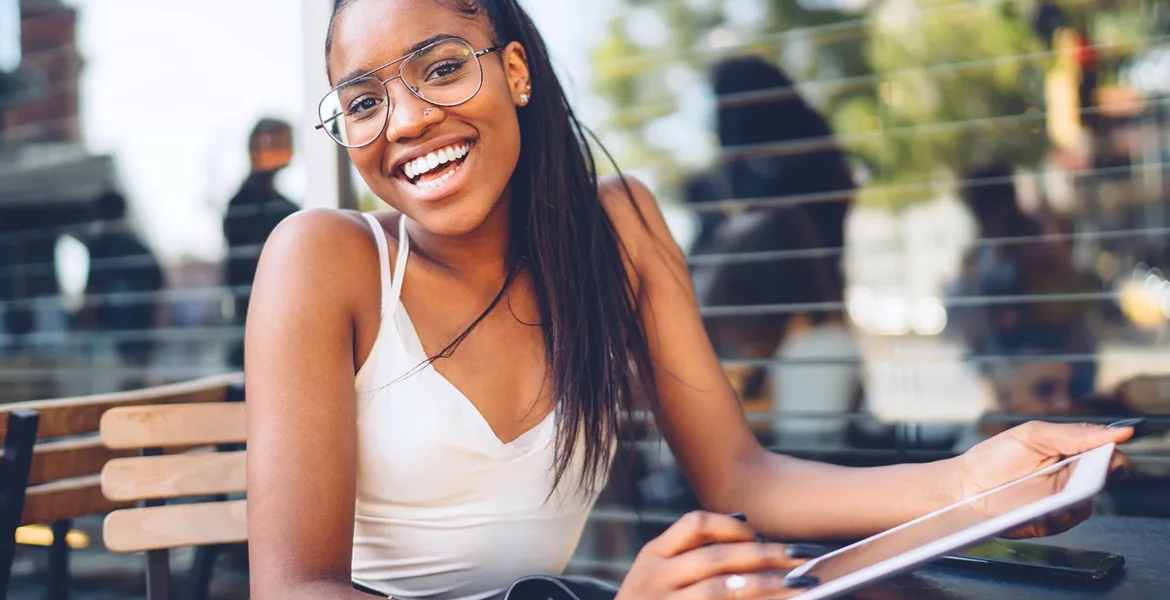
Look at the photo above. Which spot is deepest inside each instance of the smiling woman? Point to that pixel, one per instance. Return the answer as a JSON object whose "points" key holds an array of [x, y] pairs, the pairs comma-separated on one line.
{"points": [[434, 415]]}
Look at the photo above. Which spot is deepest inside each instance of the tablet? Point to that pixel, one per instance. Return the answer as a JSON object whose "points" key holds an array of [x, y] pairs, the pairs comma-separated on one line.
{"points": [[959, 526]]}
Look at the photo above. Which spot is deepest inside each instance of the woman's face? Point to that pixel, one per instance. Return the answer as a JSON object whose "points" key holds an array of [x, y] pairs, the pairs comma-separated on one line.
{"points": [[369, 34]]}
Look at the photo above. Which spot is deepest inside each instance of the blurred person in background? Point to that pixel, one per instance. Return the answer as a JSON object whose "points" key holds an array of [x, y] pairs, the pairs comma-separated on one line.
{"points": [[436, 393], [256, 209], [1031, 383], [29, 287], [1013, 258], [797, 157], [122, 302]]}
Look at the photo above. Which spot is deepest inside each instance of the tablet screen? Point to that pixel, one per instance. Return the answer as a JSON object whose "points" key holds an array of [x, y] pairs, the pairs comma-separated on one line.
{"points": [[947, 522]]}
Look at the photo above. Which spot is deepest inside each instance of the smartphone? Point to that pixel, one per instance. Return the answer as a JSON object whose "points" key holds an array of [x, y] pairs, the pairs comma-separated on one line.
{"points": [[1022, 559]]}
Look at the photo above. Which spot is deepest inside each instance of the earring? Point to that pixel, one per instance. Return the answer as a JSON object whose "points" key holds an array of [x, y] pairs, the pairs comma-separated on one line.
{"points": [[523, 99]]}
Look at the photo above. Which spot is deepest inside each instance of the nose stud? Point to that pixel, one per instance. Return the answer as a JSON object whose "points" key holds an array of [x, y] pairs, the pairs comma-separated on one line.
{"points": [[426, 112]]}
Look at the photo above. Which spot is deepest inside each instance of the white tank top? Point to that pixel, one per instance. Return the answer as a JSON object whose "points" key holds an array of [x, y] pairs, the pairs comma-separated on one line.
{"points": [[444, 509]]}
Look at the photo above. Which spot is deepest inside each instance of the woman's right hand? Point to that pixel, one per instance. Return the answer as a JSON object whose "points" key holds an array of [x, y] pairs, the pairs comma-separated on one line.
{"points": [[707, 556]]}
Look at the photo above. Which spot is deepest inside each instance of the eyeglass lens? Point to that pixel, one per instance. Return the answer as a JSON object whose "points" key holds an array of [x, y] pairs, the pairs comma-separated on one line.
{"points": [[445, 73]]}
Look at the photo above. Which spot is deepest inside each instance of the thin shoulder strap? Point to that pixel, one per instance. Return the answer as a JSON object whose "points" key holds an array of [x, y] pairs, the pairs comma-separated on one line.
{"points": [[400, 262], [383, 262]]}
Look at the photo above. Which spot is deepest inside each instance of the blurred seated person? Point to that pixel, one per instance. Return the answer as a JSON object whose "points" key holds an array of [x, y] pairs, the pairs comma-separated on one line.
{"points": [[256, 209], [818, 368], [704, 189], [738, 283], [759, 105], [121, 293], [1031, 382], [1012, 259]]}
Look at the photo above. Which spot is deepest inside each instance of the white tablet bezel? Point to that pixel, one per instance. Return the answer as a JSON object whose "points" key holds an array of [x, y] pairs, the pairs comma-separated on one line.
{"points": [[1087, 479]]}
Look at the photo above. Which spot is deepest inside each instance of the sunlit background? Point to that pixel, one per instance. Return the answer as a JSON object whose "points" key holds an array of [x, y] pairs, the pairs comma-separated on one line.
{"points": [[157, 100]]}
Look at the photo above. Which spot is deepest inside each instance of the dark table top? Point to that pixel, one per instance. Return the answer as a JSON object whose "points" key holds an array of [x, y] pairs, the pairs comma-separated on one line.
{"points": [[1145, 544]]}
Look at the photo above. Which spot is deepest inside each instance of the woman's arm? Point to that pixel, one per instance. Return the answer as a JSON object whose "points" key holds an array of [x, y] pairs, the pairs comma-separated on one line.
{"points": [[301, 406], [783, 497]]}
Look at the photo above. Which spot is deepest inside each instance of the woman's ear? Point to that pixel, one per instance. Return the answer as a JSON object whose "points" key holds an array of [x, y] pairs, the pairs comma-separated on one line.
{"points": [[516, 68]]}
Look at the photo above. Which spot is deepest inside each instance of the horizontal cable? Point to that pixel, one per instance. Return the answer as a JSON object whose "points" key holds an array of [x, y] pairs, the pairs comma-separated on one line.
{"points": [[821, 453], [84, 231], [750, 203], [841, 84], [894, 190], [819, 34], [1018, 419], [952, 302], [781, 255], [808, 144], [74, 372], [765, 95], [81, 339], [917, 360], [121, 262], [629, 516], [771, 415], [215, 293], [708, 259], [884, 361], [768, 416], [769, 149], [898, 455]]}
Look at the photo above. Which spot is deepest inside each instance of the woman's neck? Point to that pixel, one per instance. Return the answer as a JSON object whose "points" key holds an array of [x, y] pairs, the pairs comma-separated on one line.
{"points": [[479, 256]]}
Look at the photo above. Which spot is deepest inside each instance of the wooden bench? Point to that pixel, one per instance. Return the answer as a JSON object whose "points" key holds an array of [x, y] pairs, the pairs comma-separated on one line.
{"points": [[204, 476], [64, 480]]}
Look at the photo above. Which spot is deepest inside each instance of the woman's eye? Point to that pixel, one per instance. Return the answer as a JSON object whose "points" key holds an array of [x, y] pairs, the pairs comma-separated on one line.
{"points": [[445, 70], [362, 106]]}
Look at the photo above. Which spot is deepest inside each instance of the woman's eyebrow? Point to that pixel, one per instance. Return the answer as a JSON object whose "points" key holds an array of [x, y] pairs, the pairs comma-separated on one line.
{"points": [[356, 73]]}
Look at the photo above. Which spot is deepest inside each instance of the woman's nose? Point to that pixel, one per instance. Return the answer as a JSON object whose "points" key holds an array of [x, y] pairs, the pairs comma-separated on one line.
{"points": [[410, 116]]}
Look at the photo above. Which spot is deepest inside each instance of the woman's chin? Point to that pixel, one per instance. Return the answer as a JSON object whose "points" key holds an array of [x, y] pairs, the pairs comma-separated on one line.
{"points": [[454, 219], [459, 213]]}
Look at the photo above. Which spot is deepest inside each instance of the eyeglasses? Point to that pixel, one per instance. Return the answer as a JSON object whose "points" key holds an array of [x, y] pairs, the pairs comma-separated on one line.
{"points": [[445, 73]]}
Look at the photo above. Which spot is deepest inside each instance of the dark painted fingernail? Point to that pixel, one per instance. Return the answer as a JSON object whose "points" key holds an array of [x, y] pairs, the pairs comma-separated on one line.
{"points": [[739, 517], [804, 581], [1125, 423], [803, 551]]}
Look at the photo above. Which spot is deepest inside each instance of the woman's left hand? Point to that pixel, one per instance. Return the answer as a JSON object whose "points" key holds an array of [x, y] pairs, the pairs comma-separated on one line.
{"points": [[1025, 449]]}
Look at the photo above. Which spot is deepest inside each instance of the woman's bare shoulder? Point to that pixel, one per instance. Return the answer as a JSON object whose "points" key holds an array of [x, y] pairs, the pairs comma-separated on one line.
{"points": [[326, 253], [313, 227], [640, 224]]}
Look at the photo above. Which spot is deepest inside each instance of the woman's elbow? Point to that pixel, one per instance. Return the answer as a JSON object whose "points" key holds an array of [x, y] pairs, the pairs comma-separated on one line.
{"points": [[726, 492], [302, 587]]}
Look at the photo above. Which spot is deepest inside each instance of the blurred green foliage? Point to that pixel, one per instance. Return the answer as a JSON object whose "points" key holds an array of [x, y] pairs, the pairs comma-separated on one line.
{"points": [[916, 90]]}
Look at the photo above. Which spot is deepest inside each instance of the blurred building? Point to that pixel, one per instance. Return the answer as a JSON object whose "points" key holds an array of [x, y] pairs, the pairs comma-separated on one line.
{"points": [[47, 176]]}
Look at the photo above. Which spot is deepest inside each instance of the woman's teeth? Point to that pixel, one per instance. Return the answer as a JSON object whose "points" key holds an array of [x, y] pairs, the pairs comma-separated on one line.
{"points": [[431, 162], [431, 184]]}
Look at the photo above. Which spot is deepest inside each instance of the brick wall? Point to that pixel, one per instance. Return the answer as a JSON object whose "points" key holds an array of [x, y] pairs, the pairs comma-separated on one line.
{"points": [[52, 65]]}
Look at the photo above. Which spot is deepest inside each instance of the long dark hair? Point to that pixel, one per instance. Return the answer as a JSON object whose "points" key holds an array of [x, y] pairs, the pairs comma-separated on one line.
{"points": [[595, 343]]}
